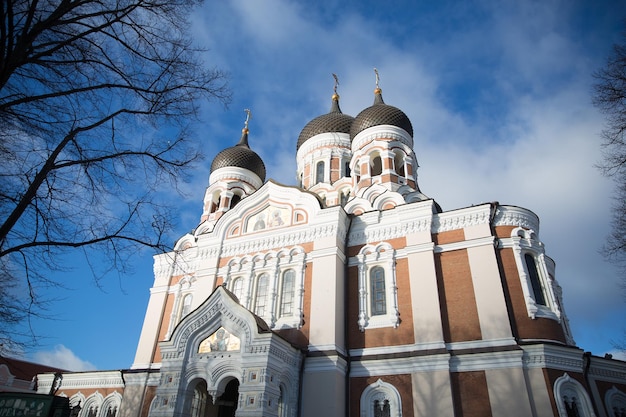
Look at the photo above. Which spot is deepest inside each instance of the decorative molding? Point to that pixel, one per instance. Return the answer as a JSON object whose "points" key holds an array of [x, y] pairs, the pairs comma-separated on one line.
{"points": [[330, 140], [462, 218], [388, 132], [82, 380], [516, 216], [234, 173]]}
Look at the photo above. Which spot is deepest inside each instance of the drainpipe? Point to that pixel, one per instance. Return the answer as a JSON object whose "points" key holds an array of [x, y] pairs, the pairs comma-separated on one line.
{"points": [[586, 366], [346, 322]]}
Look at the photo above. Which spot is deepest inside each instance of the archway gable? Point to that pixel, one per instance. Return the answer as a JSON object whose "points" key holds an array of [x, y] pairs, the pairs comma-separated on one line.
{"points": [[221, 309]]}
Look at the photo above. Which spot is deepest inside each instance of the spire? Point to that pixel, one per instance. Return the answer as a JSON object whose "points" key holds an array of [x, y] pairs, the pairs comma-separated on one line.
{"points": [[244, 132], [334, 107], [378, 92]]}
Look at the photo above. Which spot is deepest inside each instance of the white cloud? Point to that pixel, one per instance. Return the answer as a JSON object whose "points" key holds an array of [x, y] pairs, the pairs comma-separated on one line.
{"points": [[63, 358]]}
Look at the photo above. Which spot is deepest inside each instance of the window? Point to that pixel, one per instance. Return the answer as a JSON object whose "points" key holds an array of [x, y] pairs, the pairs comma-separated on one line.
{"points": [[198, 403], [615, 402], [344, 196], [378, 300], [571, 398], [376, 166], [535, 282], [236, 198], [381, 408], [346, 169], [541, 291], [319, 172], [282, 409], [260, 299], [237, 288], [287, 293], [270, 284], [186, 305], [381, 399], [399, 164]]}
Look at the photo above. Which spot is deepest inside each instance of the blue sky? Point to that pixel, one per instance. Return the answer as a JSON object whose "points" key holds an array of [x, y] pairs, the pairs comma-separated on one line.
{"points": [[499, 96]]}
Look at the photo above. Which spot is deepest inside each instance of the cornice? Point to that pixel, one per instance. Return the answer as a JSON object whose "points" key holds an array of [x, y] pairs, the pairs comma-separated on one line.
{"points": [[83, 380], [235, 173], [324, 140], [381, 132], [461, 218], [516, 216]]}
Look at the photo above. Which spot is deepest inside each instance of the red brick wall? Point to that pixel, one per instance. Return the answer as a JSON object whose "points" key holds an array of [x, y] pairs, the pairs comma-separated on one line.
{"points": [[456, 297], [470, 394]]}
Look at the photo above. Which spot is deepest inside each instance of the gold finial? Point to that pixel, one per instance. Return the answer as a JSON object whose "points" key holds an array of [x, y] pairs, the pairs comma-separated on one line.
{"points": [[248, 117], [377, 90]]}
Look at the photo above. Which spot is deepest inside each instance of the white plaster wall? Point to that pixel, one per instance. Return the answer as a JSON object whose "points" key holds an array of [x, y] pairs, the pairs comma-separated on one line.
{"points": [[326, 329], [538, 391], [150, 328], [323, 393], [508, 395], [427, 325], [432, 394], [492, 312]]}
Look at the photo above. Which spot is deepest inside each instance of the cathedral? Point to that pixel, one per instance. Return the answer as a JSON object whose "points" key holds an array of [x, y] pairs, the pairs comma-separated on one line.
{"points": [[351, 293]]}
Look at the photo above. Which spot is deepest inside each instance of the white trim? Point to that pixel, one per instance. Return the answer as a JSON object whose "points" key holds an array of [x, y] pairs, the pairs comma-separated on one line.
{"points": [[485, 361], [400, 366], [397, 349], [614, 398], [382, 255], [363, 138]]}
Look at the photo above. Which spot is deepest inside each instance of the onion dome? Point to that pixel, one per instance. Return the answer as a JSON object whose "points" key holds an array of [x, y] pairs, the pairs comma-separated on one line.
{"points": [[240, 156], [380, 114], [334, 121]]}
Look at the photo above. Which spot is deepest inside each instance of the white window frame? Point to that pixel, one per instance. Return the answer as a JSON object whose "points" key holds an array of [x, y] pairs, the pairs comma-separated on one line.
{"points": [[566, 386], [249, 268], [614, 398], [380, 391], [525, 242], [381, 255]]}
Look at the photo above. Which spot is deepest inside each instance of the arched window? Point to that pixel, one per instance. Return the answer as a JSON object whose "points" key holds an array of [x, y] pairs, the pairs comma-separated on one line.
{"points": [[381, 399], [260, 299], [399, 164], [535, 281], [236, 198], [378, 295], [237, 288], [319, 172], [346, 169], [282, 409], [186, 305], [344, 196], [376, 166], [615, 402], [198, 403], [571, 398], [378, 299], [287, 293]]}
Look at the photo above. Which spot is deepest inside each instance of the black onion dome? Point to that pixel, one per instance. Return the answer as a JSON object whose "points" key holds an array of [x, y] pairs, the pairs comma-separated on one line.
{"points": [[380, 114], [240, 156], [334, 121]]}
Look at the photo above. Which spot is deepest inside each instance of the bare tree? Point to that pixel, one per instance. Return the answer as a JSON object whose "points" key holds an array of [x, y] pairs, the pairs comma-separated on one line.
{"points": [[95, 97], [610, 97]]}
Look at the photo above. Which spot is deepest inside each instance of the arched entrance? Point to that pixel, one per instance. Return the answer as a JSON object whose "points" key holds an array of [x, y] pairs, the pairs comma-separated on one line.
{"points": [[202, 404], [226, 404]]}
